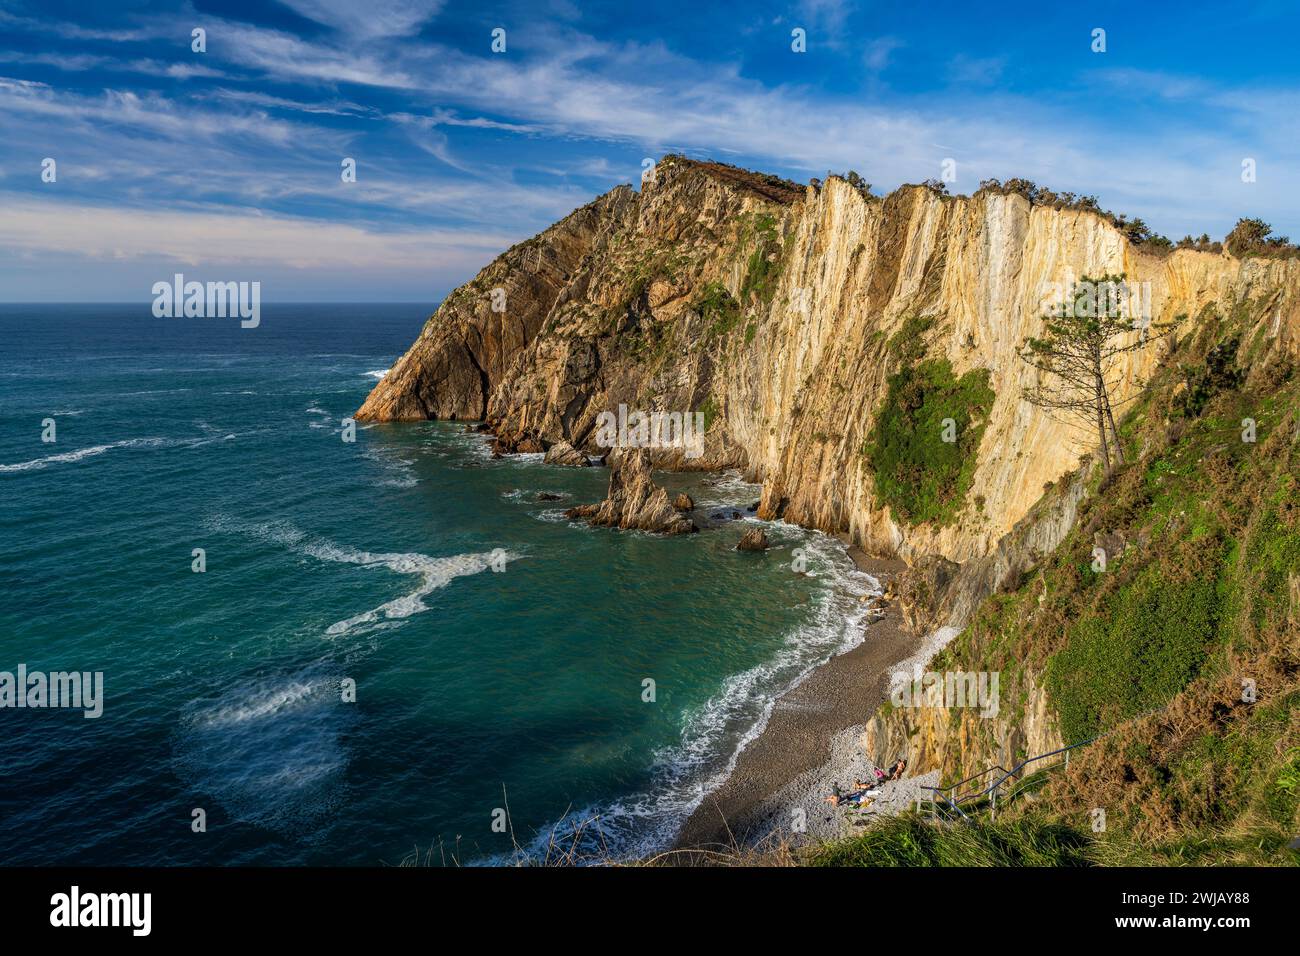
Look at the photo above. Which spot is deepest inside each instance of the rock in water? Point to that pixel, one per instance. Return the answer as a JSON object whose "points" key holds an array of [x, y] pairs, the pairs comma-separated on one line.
{"points": [[634, 500], [755, 539], [562, 453], [683, 502]]}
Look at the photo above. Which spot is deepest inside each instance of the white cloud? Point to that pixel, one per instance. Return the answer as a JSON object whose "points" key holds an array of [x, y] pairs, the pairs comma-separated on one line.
{"points": [[245, 240], [151, 112], [372, 18], [878, 51]]}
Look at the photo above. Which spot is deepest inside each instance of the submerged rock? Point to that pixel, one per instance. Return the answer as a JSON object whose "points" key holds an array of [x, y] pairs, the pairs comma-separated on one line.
{"points": [[634, 501], [547, 496], [755, 539]]}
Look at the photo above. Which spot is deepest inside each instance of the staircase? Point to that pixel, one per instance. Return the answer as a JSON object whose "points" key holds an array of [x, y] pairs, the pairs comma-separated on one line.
{"points": [[952, 804]]}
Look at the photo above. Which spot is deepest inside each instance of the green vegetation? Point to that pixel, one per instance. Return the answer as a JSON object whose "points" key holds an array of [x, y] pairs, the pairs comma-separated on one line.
{"points": [[1254, 237], [709, 409], [920, 474], [763, 267], [1133, 653], [1205, 380], [1198, 601], [909, 840], [1025, 839], [1137, 231], [718, 308], [907, 345]]}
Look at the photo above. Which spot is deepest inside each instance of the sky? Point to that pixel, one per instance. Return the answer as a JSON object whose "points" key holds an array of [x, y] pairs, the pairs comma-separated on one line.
{"points": [[226, 164]]}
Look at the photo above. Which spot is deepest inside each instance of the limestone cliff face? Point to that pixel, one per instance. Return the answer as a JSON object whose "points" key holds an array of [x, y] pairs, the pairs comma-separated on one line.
{"points": [[985, 268], [770, 308]]}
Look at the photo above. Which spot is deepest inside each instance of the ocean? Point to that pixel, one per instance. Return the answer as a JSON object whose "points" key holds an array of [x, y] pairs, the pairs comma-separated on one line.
{"points": [[499, 653]]}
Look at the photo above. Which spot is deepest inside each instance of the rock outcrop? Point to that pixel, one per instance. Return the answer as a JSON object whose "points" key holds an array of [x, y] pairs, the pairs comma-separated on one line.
{"points": [[755, 539], [783, 319], [684, 502], [923, 593], [564, 454], [634, 500], [778, 314], [468, 345]]}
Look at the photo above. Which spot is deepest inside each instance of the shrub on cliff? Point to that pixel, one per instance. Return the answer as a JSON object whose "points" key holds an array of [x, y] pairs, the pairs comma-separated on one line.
{"points": [[1132, 653], [1253, 237], [922, 450], [763, 266], [716, 306]]}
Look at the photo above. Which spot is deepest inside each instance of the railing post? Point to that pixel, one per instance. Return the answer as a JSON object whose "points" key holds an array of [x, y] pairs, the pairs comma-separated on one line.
{"points": [[1067, 760]]}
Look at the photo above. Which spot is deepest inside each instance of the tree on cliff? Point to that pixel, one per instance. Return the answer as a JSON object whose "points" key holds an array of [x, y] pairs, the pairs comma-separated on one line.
{"points": [[1084, 338]]}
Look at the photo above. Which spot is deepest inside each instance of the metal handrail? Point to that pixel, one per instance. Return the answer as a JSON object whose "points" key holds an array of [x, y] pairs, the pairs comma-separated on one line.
{"points": [[991, 791]]}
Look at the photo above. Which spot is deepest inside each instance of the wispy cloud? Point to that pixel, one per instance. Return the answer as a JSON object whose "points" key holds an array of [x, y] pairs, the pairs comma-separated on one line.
{"points": [[455, 144], [242, 240], [373, 18]]}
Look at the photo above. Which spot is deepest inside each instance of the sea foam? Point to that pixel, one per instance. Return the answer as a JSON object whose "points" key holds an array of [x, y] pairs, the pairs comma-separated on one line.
{"points": [[714, 735]]}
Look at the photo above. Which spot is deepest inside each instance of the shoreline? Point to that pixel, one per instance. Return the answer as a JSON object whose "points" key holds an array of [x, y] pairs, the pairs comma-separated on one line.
{"points": [[811, 741]]}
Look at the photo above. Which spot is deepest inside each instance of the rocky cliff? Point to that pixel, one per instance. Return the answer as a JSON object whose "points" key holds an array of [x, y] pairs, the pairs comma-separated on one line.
{"points": [[781, 312], [467, 346], [824, 334]]}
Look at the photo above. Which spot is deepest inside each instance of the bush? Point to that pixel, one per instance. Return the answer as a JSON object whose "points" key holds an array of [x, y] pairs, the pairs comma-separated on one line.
{"points": [[763, 267], [1205, 381], [718, 308], [1253, 237], [918, 474], [1134, 653]]}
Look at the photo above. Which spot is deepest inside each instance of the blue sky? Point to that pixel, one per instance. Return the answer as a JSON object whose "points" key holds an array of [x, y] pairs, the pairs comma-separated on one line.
{"points": [[225, 164]]}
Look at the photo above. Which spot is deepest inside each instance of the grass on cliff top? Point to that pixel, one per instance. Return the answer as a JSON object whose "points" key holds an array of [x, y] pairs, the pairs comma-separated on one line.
{"points": [[919, 474]]}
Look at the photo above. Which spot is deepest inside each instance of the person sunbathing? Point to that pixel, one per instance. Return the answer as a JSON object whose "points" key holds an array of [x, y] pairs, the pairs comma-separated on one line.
{"points": [[860, 793]]}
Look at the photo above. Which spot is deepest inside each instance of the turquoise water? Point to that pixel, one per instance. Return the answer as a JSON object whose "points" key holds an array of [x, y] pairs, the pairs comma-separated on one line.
{"points": [[366, 561]]}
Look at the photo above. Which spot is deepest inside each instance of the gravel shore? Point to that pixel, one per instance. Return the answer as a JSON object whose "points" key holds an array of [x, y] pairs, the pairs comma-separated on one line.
{"points": [[810, 744]]}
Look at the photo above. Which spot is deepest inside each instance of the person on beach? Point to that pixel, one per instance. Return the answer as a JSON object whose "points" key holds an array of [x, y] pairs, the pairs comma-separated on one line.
{"points": [[860, 794], [863, 791]]}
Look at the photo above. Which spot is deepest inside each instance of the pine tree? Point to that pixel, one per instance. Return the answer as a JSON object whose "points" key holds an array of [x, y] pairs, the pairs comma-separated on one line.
{"points": [[1079, 353]]}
